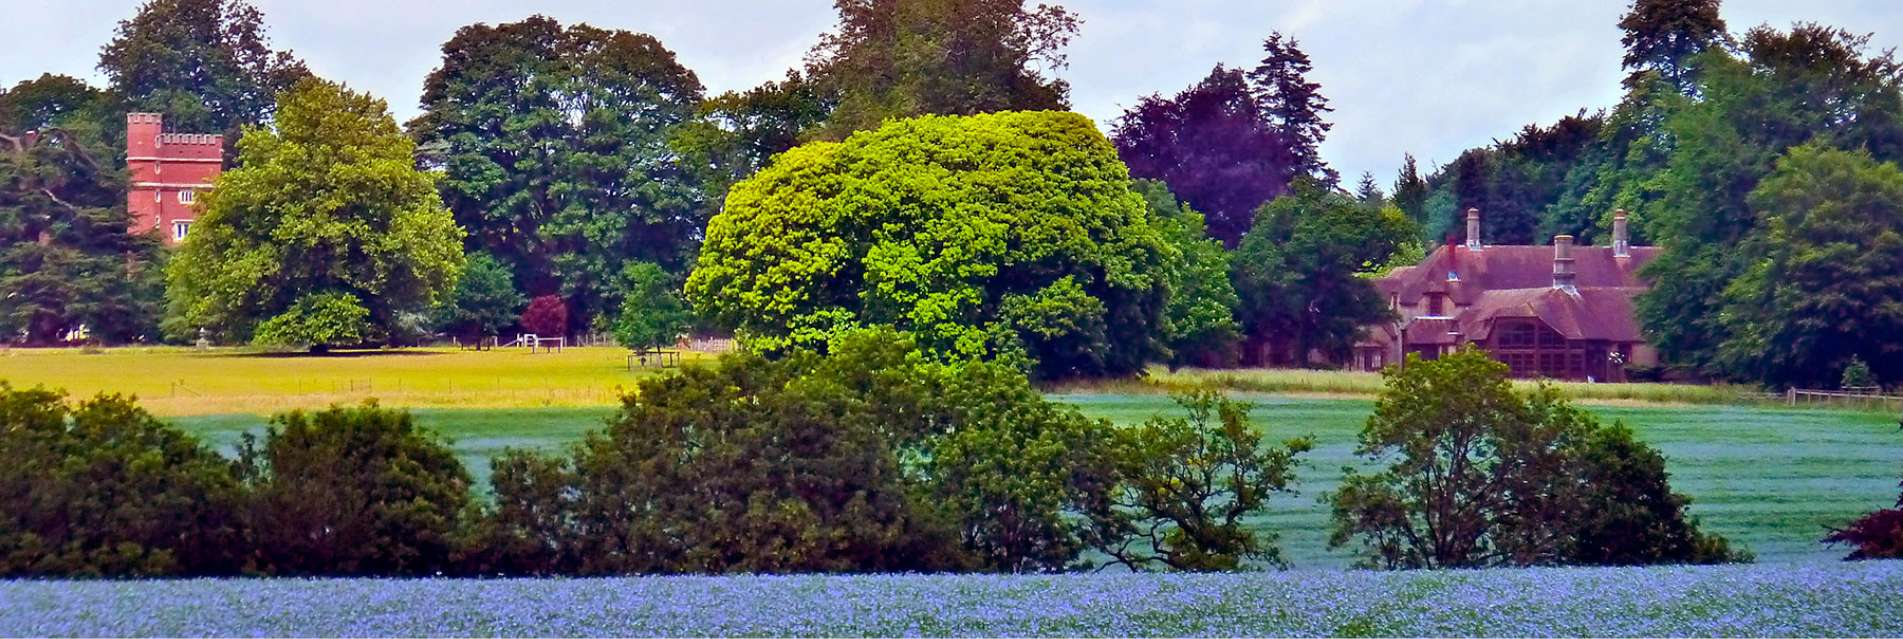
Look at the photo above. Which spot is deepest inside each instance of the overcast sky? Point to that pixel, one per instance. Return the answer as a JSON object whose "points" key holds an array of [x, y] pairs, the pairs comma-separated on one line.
{"points": [[1427, 77]]}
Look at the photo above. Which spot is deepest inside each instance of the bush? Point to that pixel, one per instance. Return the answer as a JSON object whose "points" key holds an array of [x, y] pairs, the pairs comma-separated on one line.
{"points": [[1877, 535], [105, 489], [874, 457], [546, 316], [1480, 476], [352, 491], [1188, 484]]}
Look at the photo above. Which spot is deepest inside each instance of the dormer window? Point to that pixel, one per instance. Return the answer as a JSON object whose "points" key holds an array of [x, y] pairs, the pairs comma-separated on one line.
{"points": [[1453, 276], [1435, 306]]}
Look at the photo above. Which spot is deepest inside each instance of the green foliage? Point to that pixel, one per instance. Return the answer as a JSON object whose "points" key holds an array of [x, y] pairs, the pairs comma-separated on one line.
{"points": [[104, 489], [1661, 36], [1810, 84], [206, 64], [484, 302], [1191, 481], [1824, 281], [316, 321], [66, 260], [652, 313], [352, 491], [1480, 476], [735, 133], [1296, 273], [1294, 106], [327, 203], [903, 58], [974, 233], [1628, 514], [1856, 375], [554, 144], [1201, 310]]}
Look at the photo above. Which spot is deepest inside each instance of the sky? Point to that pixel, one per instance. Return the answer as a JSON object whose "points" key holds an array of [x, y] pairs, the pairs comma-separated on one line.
{"points": [[1428, 77]]}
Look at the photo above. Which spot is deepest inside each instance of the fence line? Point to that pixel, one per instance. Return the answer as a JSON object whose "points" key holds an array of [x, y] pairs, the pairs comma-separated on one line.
{"points": [[1805, 396]]}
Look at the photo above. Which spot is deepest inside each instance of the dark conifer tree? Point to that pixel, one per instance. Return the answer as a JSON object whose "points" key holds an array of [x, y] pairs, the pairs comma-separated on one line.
{"points": [[1294, 105], [1663, 35]]}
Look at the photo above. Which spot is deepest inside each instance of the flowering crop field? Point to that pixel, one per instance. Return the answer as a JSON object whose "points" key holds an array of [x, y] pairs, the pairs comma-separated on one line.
{"points": [[1826, 599]]}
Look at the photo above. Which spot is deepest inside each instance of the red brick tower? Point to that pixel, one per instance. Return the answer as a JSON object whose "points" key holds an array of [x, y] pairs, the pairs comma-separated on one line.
{"points": [[167, 171]]}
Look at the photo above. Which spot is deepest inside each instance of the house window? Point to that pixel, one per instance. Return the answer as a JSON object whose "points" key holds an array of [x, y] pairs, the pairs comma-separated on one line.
{"points": [[1434, 306], [179, 229], [186, 197], [1453, 276]]}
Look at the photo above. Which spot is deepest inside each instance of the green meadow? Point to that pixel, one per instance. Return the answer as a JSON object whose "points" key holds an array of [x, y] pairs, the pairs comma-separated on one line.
{"points": [[1773, 479]]}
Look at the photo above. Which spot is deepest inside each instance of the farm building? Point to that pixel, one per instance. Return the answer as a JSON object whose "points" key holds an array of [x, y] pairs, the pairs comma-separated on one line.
{"points": [[1560, 311], [167, 171]]}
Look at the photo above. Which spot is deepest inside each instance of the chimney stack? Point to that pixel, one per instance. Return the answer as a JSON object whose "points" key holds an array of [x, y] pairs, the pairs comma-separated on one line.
{"points": [[1621, 242], [1563, 263], [1473, 229]]}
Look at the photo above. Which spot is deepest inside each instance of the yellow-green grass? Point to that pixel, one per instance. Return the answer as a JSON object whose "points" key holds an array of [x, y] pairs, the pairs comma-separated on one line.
{"points": [[176, 381], [180, 381], [1772, 479]]}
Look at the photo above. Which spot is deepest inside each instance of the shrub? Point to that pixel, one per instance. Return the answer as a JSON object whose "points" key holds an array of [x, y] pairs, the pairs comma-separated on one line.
{"points": [[1877, 535], [546, 316], [105, 489], [1481, 476], [1189, 482], [352, 491], [873, 457], [1857, 374]]}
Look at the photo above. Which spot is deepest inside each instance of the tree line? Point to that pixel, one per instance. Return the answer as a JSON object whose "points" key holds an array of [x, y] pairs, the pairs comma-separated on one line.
{"points": [[592, 185], [868, 457]]}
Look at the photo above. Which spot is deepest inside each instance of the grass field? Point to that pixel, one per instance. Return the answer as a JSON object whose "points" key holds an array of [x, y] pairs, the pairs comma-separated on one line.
{"points": [[1772, 479], [1764, 600], [174, 381]]}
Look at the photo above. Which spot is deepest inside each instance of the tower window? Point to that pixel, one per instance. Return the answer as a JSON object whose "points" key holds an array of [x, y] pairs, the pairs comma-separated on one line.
{"points": [[180, 228], [186, 197]]}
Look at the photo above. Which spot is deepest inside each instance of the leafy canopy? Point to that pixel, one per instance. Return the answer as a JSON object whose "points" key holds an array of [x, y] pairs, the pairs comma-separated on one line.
{"points": [[1480, 476], [207, 65], [554, 144], [979, 234], [326, 230]]}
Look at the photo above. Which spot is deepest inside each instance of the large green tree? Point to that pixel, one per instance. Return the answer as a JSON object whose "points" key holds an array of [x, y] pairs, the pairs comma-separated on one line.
{"points": [[977, 233], [206, 64], [1824, 285], [554, 147], [1299, 273], [899, 58], [66, 260], [1201, 312], [326, 233], [1811, 83]]}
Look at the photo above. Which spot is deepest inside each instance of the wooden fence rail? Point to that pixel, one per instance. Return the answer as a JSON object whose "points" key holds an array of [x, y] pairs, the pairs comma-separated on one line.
{"points": [[1869, 398]]}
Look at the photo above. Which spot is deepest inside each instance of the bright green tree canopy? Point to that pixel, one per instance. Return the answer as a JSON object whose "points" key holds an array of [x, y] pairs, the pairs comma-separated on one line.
{"points": [[979, 233], [327, 205]]}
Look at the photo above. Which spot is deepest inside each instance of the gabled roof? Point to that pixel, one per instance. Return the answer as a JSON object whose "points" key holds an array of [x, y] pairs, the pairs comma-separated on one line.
{"points": [[1509, 267], [1596, 313]]}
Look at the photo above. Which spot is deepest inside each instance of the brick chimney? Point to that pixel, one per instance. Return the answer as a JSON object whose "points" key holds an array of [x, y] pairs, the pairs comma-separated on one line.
{"points": [[1563, 263], [1621, 242], [1473, 229]]}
